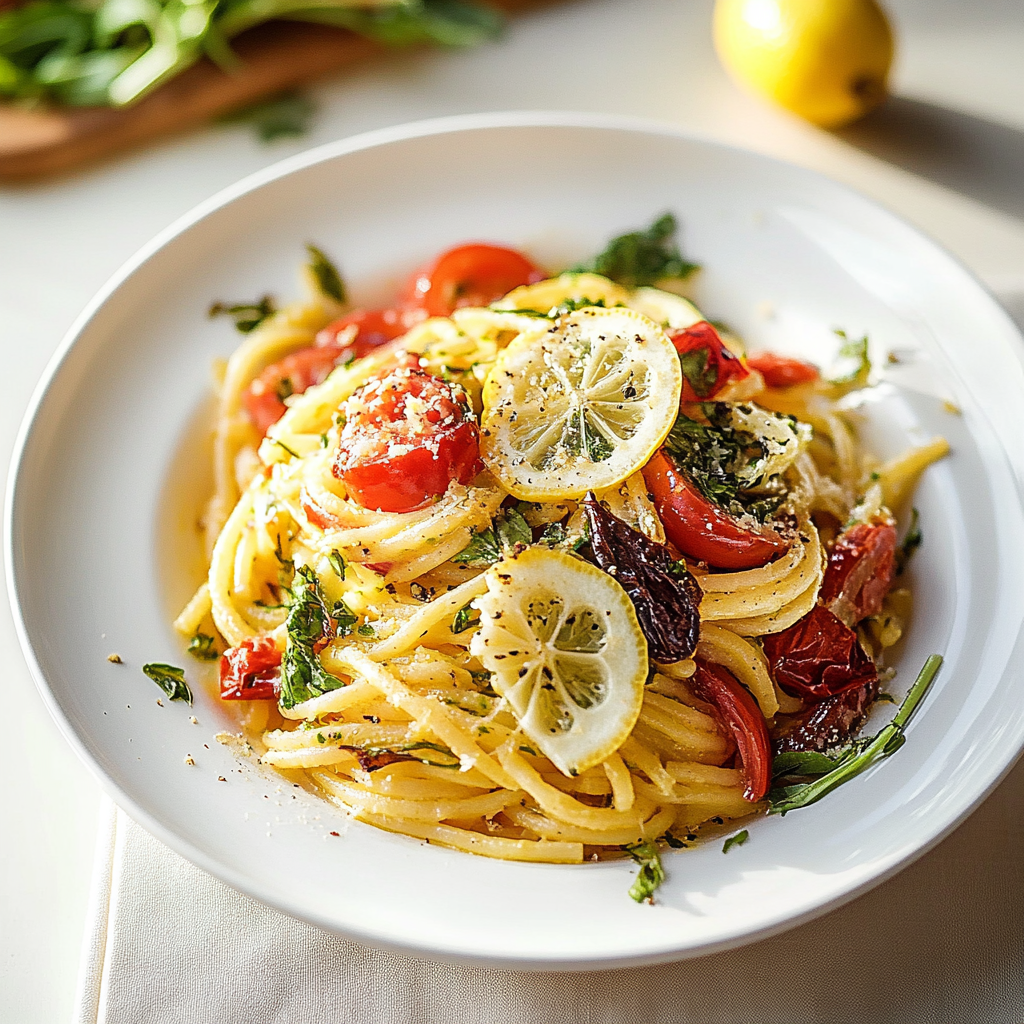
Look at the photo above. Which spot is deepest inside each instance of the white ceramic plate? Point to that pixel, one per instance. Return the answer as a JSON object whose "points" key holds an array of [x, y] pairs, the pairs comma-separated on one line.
{"points": [[93, 523]]}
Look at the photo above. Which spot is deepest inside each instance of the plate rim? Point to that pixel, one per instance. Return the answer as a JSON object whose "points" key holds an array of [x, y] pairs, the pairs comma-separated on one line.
{"points": [[281, 169]]}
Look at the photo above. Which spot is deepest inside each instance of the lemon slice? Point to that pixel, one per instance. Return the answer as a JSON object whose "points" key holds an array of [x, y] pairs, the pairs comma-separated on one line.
{"points": [[546, 295], [671, 311], [579, 404], [561, 640]]}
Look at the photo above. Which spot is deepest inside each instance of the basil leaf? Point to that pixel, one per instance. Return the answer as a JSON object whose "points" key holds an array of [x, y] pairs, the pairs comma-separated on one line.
{"points": [[203, 647], [170, 679], [651, 873], [464, 619], [247, 315], [487, 546], [309, 622], [642, 257], [325, 273]]}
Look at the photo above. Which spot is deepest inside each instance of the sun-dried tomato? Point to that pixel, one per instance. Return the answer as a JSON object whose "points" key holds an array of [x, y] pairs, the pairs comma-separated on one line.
{"points": [[826, 724], [860, 570], [818, 657], [665, 595]]}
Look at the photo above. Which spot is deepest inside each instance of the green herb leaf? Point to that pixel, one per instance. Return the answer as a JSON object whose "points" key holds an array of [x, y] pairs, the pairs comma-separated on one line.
{"points": [[464, 619], [325, 273], [911, 542], [651, 873], [309, 622], [337, 563], [247, 315], [203, 647], [737, 840], [366, 630], [287, 115], [699, 371], [642, 257], [487, 546], [855, 351], [170, 679], [856, 757], [512, 530]]}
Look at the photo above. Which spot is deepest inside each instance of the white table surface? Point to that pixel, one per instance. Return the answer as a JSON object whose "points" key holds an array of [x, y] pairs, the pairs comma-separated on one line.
{"points": [[948, 155]]}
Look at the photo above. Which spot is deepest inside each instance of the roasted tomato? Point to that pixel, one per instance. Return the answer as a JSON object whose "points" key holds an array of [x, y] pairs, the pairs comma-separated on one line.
{"points": [[781, 371], [699, 528], [860, 570], [817, 657], [469, 275], [251, 671], [707, 365], [826, 724], [742, 717], [407, 436], [374, 327]]}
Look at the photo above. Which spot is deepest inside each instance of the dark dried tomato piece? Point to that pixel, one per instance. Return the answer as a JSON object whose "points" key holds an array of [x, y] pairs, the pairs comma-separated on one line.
{"points": [[371, 761], [818, 657], [251, 671], [665, 595], [826, 724], [860, 570]]}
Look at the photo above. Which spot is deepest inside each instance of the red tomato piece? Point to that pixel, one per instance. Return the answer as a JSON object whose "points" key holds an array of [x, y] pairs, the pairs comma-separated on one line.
{"points": [[781, 371], [469, 275], [407, 436], [707, 365], [818, 657], [860, 570], [264, 398], [251, 671], [742, 717], [828, 723], [699, 528], [375, 327]]}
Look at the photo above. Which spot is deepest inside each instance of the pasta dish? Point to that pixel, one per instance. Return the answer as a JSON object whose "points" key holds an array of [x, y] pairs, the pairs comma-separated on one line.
{"points": [[549, 568]]}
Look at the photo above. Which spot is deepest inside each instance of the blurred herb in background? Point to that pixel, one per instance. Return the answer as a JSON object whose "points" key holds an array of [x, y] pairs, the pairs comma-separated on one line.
{"points": [[81, 53], [285, 116]]}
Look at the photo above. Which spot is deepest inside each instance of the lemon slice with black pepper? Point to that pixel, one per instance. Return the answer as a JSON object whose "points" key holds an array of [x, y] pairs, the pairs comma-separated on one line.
{"points": [[579, 404], [563, 645]]}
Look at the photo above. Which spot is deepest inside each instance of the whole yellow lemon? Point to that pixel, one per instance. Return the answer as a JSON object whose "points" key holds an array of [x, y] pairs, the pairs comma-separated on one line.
{"points": [[826, 60]]}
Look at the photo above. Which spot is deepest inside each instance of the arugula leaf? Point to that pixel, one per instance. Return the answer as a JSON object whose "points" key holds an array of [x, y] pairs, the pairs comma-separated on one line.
{"points": [[203, 647], [854, 758], [642, 257], [170, 679], [247, 315], [737, 840], [911, 542], [325, 273], [651, 873], [309, 622], [287, 115]]}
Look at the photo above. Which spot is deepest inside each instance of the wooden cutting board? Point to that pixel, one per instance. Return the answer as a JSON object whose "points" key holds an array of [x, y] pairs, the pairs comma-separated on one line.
{"points": [[275, 56]]}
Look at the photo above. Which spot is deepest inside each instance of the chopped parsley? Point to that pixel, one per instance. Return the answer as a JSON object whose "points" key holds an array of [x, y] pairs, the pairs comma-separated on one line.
{"points": [[487, 546], [337, 563], [203, 647], [651, 873], [642, 257], [737, 840], [247, 315], [170, 679], [464, 619], [325, 273]]}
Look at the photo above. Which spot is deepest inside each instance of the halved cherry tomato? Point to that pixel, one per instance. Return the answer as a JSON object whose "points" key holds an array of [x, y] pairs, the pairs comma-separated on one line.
{"points": [[251, 671], [699, 528], [707, 365], [375, 327], [407, 436], [819, 656], [742, 717], [781, 371], [860, 570], [469, 275]]}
